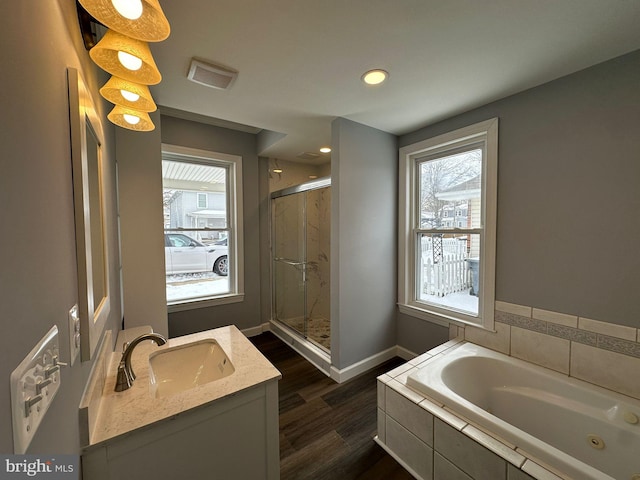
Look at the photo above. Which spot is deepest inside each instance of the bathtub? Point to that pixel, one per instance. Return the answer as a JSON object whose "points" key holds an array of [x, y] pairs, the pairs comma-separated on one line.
{"points": [[583, 431]]}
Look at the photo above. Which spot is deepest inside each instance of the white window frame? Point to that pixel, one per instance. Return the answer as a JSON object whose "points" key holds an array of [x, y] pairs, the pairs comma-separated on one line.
{"points": [[233, 164], [487, 133]]}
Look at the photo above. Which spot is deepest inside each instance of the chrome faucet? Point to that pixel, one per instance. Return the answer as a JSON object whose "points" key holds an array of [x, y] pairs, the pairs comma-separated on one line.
{"points": [[126, 376]]}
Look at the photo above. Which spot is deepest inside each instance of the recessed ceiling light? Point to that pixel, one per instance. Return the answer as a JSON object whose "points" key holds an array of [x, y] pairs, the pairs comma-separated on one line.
{"points": [[375, 77], [325, 150], [277, 170]]}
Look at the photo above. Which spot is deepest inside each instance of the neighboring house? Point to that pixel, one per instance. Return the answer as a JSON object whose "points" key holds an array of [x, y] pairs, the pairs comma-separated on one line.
{"points": [[467, 210], [190, 209], [194, 197], [455, 216]]}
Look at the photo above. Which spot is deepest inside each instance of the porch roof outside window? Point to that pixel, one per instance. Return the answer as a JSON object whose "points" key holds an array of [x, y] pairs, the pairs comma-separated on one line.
{"points": [[208, 214]]}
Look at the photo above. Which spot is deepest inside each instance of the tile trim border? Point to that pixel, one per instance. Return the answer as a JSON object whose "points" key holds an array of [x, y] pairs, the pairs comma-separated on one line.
{"points": [[580, 334]]}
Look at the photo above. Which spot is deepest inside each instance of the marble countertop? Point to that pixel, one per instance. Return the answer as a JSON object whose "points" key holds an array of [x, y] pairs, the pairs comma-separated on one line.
{"points": [[122, 412]]}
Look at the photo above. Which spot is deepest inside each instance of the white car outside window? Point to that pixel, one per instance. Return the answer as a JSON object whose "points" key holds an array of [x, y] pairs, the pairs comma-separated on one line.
{"points": [[184, 254]]}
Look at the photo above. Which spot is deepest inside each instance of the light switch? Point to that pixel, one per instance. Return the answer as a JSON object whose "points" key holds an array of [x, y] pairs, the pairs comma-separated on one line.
{"points": [[34, 384]]}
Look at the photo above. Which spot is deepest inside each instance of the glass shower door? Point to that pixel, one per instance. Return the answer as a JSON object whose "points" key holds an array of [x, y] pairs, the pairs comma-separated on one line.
{"points": [[317, 268], [289, 261]]}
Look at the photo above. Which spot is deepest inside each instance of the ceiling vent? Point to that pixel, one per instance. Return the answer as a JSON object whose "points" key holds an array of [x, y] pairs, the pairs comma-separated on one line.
{"points": [[211, 75], [308, 156]]}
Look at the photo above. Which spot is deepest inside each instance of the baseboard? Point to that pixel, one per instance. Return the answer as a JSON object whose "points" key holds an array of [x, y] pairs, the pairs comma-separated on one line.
{"points": [[253, 331], [314, 355], [362, 366], [405, 354], [322, 361]]}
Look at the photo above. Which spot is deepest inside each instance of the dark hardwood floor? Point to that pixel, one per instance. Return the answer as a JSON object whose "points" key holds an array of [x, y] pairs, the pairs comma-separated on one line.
{"points": [[326, 428]]}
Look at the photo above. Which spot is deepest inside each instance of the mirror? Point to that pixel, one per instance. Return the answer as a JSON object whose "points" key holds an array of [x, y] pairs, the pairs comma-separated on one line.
{"points": [[88, 200]]}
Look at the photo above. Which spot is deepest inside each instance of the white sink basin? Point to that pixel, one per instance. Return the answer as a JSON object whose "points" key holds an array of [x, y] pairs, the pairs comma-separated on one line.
{"points": [[187, 366]]}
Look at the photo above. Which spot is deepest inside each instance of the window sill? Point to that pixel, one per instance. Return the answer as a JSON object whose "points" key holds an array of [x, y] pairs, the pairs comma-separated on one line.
{"points": [[204, 302], [442, 319]]}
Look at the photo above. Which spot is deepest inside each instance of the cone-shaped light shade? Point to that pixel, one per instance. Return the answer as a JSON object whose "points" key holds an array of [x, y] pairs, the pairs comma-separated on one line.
{"points": [[123, 92], [130, 118], [145, 21], [108, 53]]}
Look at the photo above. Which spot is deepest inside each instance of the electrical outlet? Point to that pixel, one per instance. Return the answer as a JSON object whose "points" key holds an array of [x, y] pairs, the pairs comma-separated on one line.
{"points": [[74, 334], [34, 383]]}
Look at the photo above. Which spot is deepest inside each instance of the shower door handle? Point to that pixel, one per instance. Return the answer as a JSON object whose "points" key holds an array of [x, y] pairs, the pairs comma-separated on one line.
{"points": [[302, 266], [291, 262]]}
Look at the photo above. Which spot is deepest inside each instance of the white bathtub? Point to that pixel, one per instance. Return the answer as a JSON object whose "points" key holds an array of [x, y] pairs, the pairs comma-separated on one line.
{"points": [[583, 431]]}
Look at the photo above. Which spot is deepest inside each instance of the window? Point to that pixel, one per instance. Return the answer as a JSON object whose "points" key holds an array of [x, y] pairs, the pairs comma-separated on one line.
{"points": [[202, 200], [202, 207], [447, 272]]}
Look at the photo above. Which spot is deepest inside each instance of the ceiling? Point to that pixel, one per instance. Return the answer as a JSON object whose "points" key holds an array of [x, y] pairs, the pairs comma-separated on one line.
{"points": [[300, 62]]}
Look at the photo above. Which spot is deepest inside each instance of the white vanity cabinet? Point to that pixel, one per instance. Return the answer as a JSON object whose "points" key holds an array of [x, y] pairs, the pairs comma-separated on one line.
{"points": [[233, 438], [225, 430]]}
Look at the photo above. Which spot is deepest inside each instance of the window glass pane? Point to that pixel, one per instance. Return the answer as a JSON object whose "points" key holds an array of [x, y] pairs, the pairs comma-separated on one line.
{"points": [[448, 267], [196, 230], [203, 200], [195, 269], [450, 190], [195, 195]]}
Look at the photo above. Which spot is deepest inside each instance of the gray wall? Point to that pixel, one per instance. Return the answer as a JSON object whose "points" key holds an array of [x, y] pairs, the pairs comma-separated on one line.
{"points": [[207, 137], [364, 179], [418, 336], [265, 239], [141, 227], [568, 192], [37, 245]]}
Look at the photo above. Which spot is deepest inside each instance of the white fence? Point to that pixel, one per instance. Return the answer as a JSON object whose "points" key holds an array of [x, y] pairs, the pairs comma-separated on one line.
{"points": [[444, 271]]}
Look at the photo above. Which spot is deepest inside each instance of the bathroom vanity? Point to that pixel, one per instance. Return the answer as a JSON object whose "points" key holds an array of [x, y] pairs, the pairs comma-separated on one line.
{"points": [[222, 429]]}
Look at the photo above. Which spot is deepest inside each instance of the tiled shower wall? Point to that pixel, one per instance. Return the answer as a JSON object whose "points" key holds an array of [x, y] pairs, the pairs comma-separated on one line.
{"points": [[601, 353], [318, 252]]}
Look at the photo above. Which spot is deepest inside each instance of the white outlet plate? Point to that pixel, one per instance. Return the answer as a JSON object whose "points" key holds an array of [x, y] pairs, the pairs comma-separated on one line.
{"points": [[34, 383], [74, 334]]}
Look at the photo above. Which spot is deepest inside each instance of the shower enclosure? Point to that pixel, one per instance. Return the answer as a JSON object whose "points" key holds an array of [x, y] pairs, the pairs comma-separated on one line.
{"points": [[300, 219]]}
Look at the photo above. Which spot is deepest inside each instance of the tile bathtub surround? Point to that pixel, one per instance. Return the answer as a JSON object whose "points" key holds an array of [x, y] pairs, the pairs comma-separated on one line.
{"points": [[608, 336], [611, 370], [466, 454], [551, 339], [436, 444], [543, 350]]}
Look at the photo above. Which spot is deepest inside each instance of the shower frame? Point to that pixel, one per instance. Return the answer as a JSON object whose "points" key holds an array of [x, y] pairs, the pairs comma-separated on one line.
{"points": [[299, 340]]}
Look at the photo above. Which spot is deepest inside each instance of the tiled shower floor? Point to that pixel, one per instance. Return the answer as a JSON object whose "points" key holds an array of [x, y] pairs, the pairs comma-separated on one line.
{"points": [[318, 330]]}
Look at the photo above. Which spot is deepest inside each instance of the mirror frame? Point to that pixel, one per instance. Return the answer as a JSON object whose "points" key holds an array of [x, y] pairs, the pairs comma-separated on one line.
{"points": [[83, 116]]}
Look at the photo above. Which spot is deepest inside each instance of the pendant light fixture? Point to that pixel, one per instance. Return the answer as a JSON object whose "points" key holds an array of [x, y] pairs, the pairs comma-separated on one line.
{"points": [[128, 94], [140, 19], [127, 58], [131, 118], [124, 53]]}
